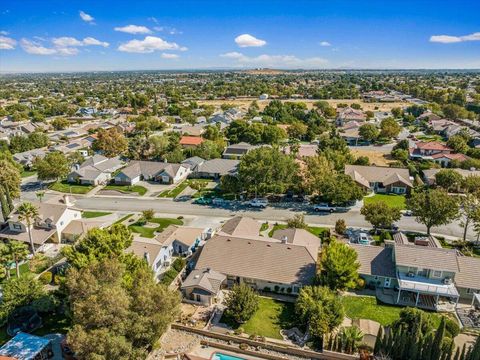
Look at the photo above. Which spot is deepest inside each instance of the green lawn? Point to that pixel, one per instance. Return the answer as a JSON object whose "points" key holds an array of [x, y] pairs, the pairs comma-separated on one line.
{"points": [[140, 190], [396, 201], [123, 218], [70, 188], [27, 173], [270, 318], [149, 232], [264, 227], [24, 269], [198, 184], [367, 307], [315, 230], [94, 214]]}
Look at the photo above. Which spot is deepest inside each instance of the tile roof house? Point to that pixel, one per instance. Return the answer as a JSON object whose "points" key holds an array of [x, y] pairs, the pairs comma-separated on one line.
{"points": [[95, 170], [429, 174], [190, 141], [152, 171], [445, 159], [425, 276], [380, 179], [260, 264], [53, 217], [347, 114], [425, 150], [203, 286]]}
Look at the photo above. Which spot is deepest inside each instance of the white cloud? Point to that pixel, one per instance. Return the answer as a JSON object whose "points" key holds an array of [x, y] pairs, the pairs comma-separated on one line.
{"points": [[7, 43], [36, 48], [85, 17], [149, 45], [285, 61], [92, 41], [167, 29], [169, 56], [3, 32], [449, 39], [247, 40], [325, 43], [134, 29], [66, 41], [67, 51]]}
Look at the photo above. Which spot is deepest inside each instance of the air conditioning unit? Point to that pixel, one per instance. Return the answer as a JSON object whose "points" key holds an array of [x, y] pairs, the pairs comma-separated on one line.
{"points": [[448, 281]]}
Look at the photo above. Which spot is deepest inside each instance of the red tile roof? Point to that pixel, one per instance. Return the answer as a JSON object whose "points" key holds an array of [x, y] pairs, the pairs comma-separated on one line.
{"points": [[460, 157], [191, 140], [432, 145]]}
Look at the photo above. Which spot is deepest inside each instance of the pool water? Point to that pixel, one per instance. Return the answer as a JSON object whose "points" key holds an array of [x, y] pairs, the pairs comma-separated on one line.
{"points": [[220, 356]]}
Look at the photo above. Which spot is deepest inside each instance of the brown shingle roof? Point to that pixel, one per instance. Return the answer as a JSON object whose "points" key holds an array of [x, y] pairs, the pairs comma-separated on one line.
{"points": [[241, 226], [262, 260], [375, 260], [383, 174], [468, 276], [426, 257]]}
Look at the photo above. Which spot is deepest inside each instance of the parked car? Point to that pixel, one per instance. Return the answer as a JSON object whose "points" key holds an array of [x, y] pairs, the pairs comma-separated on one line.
{"points": [[363, 239], [203, 201], [258, 203], [324, 207], [407, 212]]}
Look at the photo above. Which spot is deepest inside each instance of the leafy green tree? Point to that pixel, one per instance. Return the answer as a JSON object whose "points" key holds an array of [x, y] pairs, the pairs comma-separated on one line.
{"points": [[433, 207], [458, 144], [53, 166], [340, 226], [380, 214], [297, 222], [320, 310], [60, 123], [148, 214], [297, 130], [99, 244], [241, 303], [368, 132], [5, 259], [267, 170], [389, 128], [110, 142], [19, 252], [17, 292], [10, 178], [338, 266], [28, 212]]}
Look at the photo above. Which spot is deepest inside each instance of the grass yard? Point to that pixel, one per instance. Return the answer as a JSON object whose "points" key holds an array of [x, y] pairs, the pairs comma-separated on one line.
{"points": [[315, 230], [197, 184], [140, 190], [270, 318], [149, 232], [94, 214], [70, 188], [27, 173], [123, 218], [396, 201]]}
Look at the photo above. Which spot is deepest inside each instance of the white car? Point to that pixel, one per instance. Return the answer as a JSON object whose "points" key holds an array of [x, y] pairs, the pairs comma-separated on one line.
{"points": [[324, 207], [363, 239], [258, 203]]}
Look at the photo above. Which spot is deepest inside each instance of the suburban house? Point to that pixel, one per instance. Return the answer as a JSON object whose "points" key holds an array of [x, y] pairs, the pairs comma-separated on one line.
{"points": [[263, 265], [241, 226], [152, 171], [52, 219], [425, 150], [203, 286], [420, 274], [347, 114], [304, 150], [193, 162], [78, 228], [95, 170], [190, 141], [26, 158], [380, 179], [444, 160], [236, 151], [174, 240], [216, 168], [429, 174]]}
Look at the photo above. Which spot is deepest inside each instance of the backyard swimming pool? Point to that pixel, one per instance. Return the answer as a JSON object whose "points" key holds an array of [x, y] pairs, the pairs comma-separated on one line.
{"points": [[220, 356]]}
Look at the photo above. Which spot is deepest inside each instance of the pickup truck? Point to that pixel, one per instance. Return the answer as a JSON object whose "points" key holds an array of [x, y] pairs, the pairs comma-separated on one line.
{"points": [[324, 207], [258, 203]]}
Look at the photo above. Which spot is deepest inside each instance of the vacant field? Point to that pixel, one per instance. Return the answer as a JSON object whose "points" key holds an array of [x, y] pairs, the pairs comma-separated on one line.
{"points": [[244, 103], [376, 157]]}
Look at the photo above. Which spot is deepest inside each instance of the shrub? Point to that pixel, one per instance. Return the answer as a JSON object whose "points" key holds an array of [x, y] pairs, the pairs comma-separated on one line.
{"points": [[46, 277], [179, 264], [238, 331], [340, 227], [243, 346], [179, 217], [452, 328], [360, 283], [276, 288]]}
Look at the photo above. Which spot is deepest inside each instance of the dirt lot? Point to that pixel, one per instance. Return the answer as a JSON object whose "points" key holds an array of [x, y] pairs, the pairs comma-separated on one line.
{"points": [[376, 158], [244, 103]]}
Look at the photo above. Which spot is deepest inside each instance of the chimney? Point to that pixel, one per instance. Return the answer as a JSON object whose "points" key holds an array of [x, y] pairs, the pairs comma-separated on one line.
{"points": [[146, 257]]}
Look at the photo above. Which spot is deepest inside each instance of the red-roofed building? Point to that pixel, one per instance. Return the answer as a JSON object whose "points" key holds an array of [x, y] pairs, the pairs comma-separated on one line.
{"points": [[190, 141], [425, 150], [445, 159]]}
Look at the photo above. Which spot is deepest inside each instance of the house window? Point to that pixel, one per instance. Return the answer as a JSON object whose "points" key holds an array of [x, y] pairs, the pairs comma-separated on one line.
{"points": [[17, 227], [437, 273]]}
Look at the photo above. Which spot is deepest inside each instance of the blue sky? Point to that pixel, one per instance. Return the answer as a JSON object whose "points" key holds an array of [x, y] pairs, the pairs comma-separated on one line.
{"points": [[71, 35]]}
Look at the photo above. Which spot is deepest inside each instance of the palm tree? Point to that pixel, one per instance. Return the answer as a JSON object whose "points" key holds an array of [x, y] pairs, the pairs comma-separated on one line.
{"points": [[5, 259], [351, 338], [27, 211], [40, 195], [19, 252]]}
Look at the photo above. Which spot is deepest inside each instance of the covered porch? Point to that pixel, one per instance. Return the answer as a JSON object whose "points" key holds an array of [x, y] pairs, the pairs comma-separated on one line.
{"points": [[426, 293]]}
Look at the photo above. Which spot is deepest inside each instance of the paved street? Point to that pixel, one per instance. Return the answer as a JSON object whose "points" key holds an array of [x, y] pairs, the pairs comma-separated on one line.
{"points": [[275, 212]]}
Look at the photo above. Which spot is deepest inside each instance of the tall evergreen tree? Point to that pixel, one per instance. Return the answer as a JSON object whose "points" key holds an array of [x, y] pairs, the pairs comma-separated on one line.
{"points": [[437, 341], [378, 341]]}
